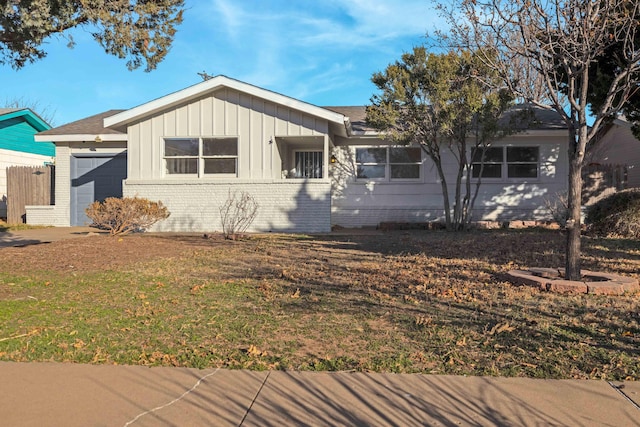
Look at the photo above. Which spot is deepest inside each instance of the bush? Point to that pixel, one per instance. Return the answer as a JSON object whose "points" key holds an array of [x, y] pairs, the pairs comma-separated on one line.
{"points": [[617, 215], [558, 207], [237, 214], [122, 216]]}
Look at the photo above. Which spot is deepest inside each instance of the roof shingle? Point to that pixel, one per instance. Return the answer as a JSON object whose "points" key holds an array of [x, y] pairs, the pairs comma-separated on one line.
{"points": [[92, 125]]}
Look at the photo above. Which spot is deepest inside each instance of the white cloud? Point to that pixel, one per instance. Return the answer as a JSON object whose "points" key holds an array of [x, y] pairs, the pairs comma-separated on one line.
{"points": [[310, 50]]}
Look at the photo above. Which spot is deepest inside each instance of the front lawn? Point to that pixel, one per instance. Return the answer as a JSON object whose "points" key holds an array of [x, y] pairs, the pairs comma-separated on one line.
{"points": [[419, 301]]}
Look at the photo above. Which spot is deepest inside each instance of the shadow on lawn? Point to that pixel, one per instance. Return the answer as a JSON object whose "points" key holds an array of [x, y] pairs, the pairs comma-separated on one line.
{"points": [[464, 300]]}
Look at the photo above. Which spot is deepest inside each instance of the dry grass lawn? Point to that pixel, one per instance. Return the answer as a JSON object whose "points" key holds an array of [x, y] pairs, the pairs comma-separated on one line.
{"points": [[418, 301]]}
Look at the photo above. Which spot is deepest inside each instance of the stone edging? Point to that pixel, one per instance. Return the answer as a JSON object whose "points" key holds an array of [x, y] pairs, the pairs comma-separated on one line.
{"points": [[549, 279]]}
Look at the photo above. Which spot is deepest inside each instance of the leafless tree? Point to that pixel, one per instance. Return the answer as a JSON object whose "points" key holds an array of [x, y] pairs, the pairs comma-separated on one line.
{"points": [[556, 42], [237, 214], [43, 111]]}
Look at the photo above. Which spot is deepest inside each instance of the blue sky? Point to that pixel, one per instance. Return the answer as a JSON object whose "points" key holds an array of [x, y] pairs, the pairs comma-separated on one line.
{"points": [[323, 52]]}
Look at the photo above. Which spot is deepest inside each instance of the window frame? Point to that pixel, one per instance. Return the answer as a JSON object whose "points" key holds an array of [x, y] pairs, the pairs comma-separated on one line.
{"points": [[319, 158], [388, 164], [505, 163], [200, 158]]}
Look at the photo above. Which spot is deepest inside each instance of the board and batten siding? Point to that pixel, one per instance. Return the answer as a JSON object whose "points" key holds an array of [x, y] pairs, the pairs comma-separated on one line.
{"points": [[287, 205], [360, 203], [225, 112]]}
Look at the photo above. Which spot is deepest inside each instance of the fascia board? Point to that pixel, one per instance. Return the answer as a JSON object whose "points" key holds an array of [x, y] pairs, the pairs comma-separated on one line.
{"points": [[31, 118], [81, 138], [209, 85]]}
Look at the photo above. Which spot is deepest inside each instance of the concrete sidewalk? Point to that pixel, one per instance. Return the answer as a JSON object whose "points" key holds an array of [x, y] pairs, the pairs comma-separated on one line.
{"points": [[52, 394], [36, 236]]}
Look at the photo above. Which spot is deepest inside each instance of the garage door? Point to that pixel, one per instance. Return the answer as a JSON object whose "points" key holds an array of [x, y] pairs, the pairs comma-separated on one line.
{"points": [[95, 178]]}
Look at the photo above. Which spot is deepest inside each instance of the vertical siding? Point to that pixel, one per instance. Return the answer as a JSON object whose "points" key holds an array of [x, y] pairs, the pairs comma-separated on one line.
{"points": [[226, 112], [134, 171], [272, 161], [207, 118]]}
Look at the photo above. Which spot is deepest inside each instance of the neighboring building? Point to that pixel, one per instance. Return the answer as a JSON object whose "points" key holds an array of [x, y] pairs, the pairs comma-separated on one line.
{"points": [[308, 167], [18, 147], [618, 147]]}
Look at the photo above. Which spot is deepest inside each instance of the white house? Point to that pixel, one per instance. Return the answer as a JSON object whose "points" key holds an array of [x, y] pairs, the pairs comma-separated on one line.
{"points": [[308, 167]]}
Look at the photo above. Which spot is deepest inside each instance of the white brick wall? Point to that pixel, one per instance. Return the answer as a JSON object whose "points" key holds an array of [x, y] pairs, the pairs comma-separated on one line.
{"points": [[284, 205]]}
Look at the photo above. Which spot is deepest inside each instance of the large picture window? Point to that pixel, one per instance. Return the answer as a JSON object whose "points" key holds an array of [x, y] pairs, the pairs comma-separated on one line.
{"points": [[509, 162], [201, 156], [388, 163]]}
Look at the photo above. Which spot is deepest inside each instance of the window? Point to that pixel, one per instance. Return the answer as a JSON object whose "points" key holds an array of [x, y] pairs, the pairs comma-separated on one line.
{"points": [[490, 165], [510, 162], [201, 156], [388, 163], [522, 162], [309, 164]]}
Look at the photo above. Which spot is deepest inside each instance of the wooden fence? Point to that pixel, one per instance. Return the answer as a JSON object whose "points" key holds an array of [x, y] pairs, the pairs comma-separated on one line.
{"points": [[28, 185]]}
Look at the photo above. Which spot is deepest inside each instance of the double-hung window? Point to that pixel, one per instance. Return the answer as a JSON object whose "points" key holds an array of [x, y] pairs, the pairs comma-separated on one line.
{"points": [[388, 163], [201, 156], [509, 162]]}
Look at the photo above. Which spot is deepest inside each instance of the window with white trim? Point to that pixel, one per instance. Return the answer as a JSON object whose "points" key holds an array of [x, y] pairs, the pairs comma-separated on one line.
{"points": [[388, 163], [509, 162], [201, 156]]}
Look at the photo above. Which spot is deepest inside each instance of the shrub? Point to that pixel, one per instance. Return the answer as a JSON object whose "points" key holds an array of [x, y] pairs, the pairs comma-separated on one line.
{"points": [[122, 216], [617, 215], [237, 214], [558, 207]]}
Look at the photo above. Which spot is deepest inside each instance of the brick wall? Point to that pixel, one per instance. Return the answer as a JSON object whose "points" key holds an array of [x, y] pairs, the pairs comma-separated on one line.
{"points": [[284, 205]]}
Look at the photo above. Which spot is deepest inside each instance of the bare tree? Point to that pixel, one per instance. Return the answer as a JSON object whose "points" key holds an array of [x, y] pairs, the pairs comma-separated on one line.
{"points": [[43, 111], [237, 214], [557, 40]]}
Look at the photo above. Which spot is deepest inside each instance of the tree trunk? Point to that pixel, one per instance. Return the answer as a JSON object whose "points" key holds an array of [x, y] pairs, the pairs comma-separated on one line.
{"points": [[574, 200], [572, 266], [445, 194]]}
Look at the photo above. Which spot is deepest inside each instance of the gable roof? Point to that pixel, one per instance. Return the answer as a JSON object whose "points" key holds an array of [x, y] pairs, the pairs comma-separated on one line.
{"points": [[18, 127], [220, 81], [27, 115], [87, 129]]}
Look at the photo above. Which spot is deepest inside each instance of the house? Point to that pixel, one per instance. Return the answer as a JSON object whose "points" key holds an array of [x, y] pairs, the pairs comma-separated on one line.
{"points": [[618, 146], [309, 168], [18, 147]]}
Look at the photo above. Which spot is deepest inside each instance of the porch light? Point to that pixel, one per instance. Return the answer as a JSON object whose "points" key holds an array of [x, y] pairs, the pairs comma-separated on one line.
{"points": [[333, 159]]}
